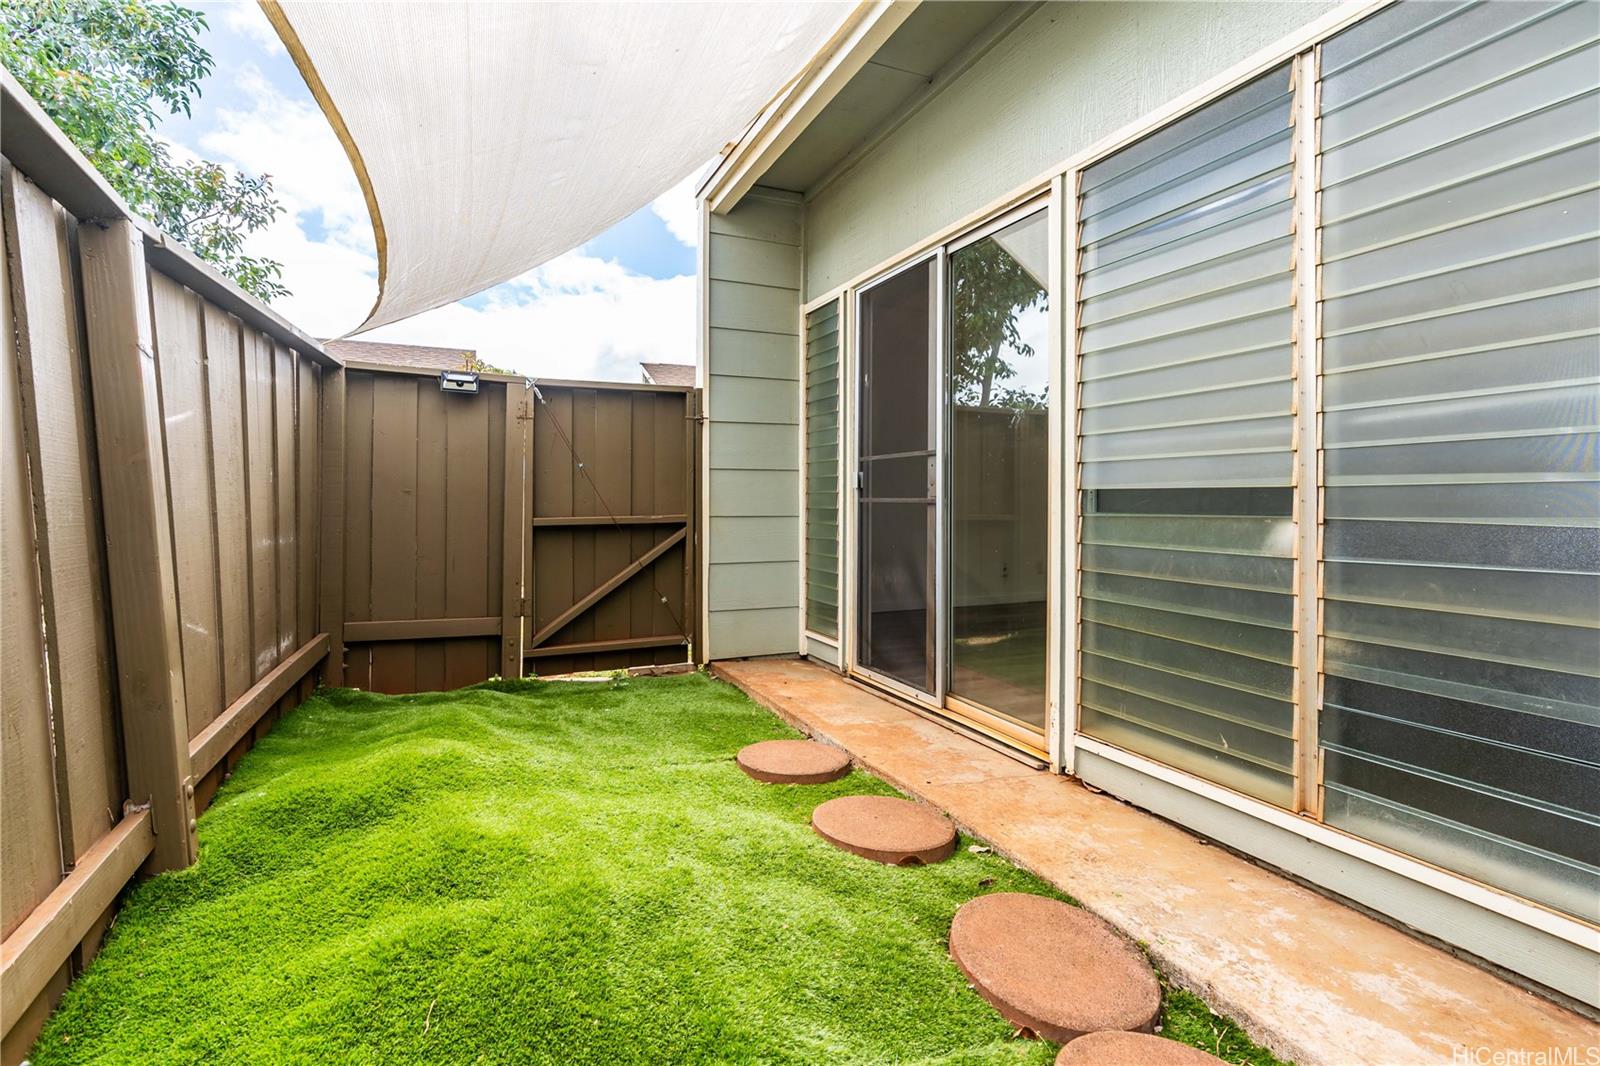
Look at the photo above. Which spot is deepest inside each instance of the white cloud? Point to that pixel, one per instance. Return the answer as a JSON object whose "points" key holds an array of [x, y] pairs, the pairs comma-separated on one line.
{"points": [[574, 317], [247, 20], [324, 237], [292, 141], [678, 209]]}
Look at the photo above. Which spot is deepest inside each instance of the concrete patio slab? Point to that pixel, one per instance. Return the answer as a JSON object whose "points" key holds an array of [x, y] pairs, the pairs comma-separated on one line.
{"points": [[1308, 977]]}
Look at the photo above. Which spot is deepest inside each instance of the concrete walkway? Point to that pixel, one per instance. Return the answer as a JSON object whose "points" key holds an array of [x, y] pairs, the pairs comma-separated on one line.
{"points": [[1315, 981]]}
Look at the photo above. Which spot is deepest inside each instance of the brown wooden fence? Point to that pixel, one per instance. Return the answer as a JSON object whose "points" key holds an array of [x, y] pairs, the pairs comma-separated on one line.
{"points": [[204, 513], [162, 468], [551, 522], [433, 556]]}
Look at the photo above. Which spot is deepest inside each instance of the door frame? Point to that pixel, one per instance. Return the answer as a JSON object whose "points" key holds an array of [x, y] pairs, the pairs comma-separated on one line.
{"points": [[997, 727], [933, 701], [996, 724]]}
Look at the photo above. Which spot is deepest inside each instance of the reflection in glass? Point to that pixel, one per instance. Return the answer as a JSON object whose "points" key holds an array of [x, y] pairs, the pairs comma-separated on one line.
{"points": [[999, 456], [1186, 576], [1461, 703]]}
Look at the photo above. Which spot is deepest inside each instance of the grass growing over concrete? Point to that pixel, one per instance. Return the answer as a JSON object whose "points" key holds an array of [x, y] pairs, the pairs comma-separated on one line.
{"points": [[539, 872]]}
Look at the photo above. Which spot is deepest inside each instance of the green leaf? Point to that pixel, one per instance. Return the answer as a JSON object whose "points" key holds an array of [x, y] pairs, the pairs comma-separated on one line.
{"points": [[99, 68]]}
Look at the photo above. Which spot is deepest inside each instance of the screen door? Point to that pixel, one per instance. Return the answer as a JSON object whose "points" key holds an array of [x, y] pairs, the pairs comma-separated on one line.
{"points": [[897, 480]]}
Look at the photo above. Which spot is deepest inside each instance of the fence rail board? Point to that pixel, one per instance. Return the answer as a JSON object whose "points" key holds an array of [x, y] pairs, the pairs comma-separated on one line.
{"points": [[33, 952], [228, 728]]}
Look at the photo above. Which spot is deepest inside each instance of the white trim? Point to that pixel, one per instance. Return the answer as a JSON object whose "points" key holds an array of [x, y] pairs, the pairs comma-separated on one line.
{"points": [[940, 416], [1065, 533], [1520, 910], [702, 380], [837, 293], [802, 442], [1000, 221], [856, 41], [836, 297], [1055, 738], [848, 502]]}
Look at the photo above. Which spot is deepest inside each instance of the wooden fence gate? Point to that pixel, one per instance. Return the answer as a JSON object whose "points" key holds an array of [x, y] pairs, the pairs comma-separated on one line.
{"points": [[542, 529], [613, 577]]}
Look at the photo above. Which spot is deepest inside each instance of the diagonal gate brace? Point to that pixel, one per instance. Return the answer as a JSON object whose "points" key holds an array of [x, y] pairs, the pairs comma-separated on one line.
{"points": [[609, 586]]}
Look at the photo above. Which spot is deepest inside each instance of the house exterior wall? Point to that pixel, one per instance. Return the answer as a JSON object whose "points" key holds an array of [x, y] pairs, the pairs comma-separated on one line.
{"points": [[752, 398], [1066, 77]]}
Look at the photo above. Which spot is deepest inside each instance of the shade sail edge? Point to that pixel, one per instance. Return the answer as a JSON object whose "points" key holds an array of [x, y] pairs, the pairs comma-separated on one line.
{"points": [[489, 139]]}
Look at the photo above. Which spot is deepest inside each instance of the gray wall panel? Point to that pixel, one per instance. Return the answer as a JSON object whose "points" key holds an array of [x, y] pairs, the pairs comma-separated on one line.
{"points": [[752, 401], [745, 586], [769, 631]]}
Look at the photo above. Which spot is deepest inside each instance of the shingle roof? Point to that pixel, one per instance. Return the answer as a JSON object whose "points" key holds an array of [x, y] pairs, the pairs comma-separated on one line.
{"points": [[424, 356], [668, 373]]}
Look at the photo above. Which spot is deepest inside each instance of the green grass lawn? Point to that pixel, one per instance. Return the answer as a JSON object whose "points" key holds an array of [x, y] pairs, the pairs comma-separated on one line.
{"points": [[541, 872]]}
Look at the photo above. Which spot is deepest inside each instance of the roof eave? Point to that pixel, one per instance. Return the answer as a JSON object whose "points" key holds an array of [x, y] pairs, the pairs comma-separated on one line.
{"points": [[775, 129]]}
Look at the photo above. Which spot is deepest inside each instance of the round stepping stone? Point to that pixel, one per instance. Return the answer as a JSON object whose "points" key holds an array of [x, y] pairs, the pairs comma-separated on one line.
{"points": [[1051, 968], [1132, 1049], [884, 829], [793, 762]]}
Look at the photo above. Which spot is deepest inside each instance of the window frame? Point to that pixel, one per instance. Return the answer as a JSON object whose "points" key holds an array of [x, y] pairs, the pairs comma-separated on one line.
{"points": [[807, 634]]}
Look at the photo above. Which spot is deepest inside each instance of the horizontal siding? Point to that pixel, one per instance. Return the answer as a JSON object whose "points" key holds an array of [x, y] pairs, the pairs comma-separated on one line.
{"points": [[769, 631], [736, 399], [754, 492], [763, 216], [753, 262], [750, 354], [754, 400], [756, 538], [755, 446], [752, 434], [765, 308], [745, 586]]}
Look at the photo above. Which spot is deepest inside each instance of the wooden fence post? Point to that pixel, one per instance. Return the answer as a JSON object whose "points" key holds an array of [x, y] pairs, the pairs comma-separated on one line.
{"points": [[330, 561], [144, 613], [516, 529]]}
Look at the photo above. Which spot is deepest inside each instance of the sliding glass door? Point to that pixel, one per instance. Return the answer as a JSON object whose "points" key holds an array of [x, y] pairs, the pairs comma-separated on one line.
{"points": [[998, 376], [897, 542], [953, 480]]}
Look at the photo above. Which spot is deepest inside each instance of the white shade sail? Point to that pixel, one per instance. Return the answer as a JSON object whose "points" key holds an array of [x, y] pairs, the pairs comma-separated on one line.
{"points": [[492, 137]]}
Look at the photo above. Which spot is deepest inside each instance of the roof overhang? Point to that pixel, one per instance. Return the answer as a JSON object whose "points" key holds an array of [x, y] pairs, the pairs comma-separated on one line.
{"points": [[776, 128], [883, 66]]}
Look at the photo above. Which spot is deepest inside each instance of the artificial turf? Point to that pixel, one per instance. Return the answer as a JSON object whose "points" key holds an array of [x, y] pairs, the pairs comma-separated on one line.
{"points": [[532, 872]]}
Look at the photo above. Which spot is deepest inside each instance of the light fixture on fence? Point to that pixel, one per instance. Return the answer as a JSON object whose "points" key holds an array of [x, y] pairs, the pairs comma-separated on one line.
{"points": [[457, 381]]}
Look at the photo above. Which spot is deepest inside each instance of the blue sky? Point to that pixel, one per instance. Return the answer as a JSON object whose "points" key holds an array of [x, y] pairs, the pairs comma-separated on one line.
{"points": [[626, 296]]}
